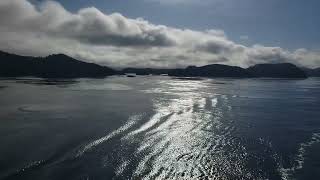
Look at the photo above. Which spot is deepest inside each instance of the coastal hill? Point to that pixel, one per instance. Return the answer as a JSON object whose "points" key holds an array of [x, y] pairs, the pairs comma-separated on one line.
{"points": [[213, 70], [282, 70], [63, 66], [312, 72], [53, 66]]}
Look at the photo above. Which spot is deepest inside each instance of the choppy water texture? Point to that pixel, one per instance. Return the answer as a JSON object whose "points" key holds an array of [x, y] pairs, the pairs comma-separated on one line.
{"points": [[160, 128]]}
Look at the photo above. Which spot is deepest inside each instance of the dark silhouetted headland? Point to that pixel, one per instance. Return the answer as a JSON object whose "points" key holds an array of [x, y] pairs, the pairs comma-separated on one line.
{"points": [[53, 66]]}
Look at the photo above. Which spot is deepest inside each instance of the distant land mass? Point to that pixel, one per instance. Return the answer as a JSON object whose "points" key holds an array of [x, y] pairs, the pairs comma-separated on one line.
{"points": [[63, 66], [53, 66], [282, 70], [213, 70], [312, 72]]}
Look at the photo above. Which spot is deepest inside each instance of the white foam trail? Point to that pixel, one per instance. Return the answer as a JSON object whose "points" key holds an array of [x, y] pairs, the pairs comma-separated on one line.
{"points": [[154, 120], [162, 110], [201, 102], [286, 173], [132, 120], [121, 168], [214, 102]]}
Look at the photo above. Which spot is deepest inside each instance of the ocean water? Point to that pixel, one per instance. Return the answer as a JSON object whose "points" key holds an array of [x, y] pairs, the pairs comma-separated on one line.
{"points": [[159, 128]]}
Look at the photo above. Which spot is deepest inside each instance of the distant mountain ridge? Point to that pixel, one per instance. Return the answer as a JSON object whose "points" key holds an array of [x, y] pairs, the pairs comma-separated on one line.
{"points": [[53, 66], [281, 70], [63, 66]]}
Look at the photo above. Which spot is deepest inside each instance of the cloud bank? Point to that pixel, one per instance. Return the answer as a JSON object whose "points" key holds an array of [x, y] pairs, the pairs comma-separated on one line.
{"points": [[118, 41]]}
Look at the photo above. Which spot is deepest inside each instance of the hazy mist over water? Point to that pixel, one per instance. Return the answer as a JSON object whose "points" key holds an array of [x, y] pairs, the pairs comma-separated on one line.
{"points": [[159, 128]]}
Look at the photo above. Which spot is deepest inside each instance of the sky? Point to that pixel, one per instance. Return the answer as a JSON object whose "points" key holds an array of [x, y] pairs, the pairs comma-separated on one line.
{"points": [[164, 33]]}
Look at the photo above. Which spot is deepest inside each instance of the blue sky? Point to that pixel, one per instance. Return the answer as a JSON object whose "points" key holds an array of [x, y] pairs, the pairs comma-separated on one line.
{"points": [[287, 23]]}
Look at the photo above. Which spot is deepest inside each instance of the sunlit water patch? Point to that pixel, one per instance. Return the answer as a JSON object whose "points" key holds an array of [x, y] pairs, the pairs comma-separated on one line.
{"points": [[190, 136]]}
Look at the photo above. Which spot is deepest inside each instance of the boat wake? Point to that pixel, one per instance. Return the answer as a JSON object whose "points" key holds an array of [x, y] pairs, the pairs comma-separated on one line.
{"points": [[299, 159]]}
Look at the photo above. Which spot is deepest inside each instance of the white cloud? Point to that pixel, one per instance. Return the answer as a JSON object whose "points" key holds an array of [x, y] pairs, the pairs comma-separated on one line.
{"points": [[118, 41]]}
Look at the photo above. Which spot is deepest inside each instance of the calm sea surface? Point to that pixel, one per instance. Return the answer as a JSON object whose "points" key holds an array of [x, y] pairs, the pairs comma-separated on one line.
{"points": [[160, 128]]}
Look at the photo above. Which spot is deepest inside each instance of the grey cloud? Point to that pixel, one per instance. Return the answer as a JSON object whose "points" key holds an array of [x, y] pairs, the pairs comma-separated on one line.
{"points": [[219, 46], [89, 25], [261, 54]]}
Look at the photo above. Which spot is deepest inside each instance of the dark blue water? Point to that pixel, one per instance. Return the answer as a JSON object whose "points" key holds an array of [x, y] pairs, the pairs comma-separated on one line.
{"points": [[160, 128]]}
